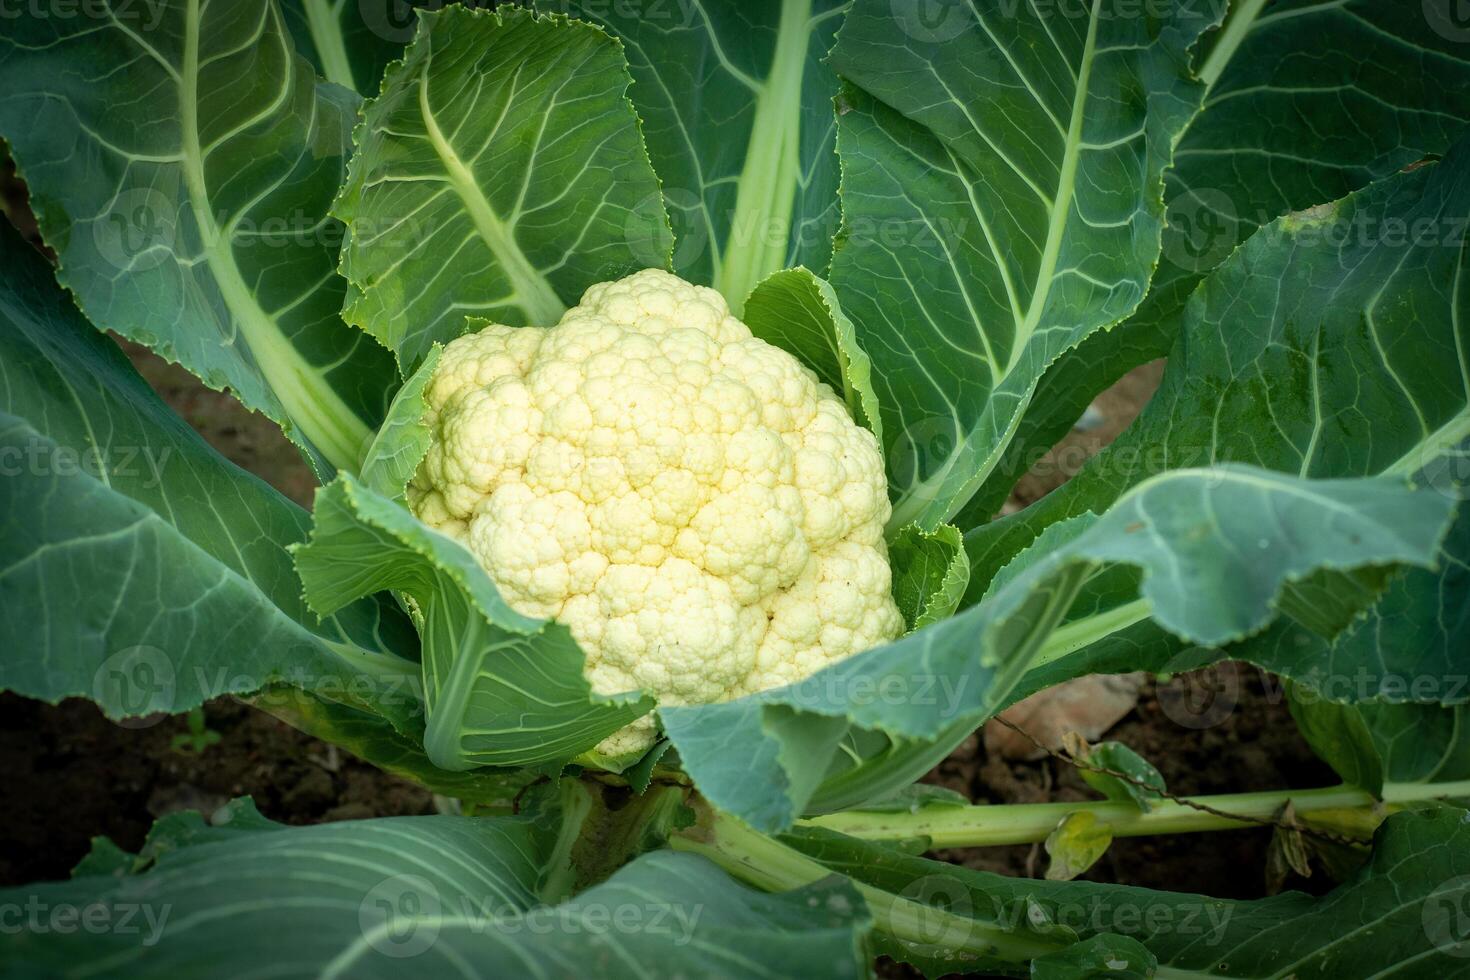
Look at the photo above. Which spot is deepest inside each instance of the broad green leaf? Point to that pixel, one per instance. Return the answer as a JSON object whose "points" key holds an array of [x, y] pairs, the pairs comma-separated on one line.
{"points": [[400, 444], [1215, 547], [1332, 344], [1340, 736], [1401, 914], [501, 689], [351, 41], [1409, 647], [1002, 195], [1075, 845], [930, 572], [1370, 744], [1382, 87], [798, 312], [181, 160], [152, 574], [430, 895], [499, 173], [736, 102]]}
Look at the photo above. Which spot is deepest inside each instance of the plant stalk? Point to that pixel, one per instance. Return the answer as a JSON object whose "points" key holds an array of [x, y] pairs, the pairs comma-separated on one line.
{"points": [[770, 865], [1025, 823]]}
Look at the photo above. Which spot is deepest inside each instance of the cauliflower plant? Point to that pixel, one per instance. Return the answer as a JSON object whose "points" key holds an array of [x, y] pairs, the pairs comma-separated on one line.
{"points": [[697, 508]]}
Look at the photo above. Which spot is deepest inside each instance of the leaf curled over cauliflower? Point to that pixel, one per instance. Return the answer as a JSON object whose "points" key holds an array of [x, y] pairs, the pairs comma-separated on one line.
{"points": [[698, 509]]}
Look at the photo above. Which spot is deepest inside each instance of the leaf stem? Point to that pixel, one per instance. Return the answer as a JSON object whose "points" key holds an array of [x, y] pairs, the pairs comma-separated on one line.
{"points": [[772, 866], [1239, 24], [326, 34], [1025, 823]]}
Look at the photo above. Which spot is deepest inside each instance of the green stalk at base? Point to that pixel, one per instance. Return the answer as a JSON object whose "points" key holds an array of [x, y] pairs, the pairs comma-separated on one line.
{"points": [[772, 866], [1355, 810]]}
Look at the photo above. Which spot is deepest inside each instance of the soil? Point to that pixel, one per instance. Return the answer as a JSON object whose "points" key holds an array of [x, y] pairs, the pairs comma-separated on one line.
{"points": [[72, 775]]}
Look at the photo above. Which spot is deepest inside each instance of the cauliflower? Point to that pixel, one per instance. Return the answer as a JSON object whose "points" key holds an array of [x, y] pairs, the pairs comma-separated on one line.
{"points": [[698, 509]]}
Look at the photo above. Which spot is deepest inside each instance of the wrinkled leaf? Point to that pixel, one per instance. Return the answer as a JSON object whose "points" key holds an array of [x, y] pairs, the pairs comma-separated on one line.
{"points": [[152, 572], [182, 168], [501, 689], [1232, 534], [499, 174], [736, 102], [1002, 195]]}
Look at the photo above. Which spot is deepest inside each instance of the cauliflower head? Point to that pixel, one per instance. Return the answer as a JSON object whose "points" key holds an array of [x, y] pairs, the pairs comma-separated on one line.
{"points": [[700, 511]]}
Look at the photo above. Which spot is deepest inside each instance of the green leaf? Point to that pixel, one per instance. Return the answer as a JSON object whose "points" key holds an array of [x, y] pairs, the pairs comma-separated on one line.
{"points": [[930, 572], [350, 41], [1002, 195], [1398, 914], [1216, 548], [1409, 647], [1103, 955], [1118, 757], [1340, 736], [502, 689], [1329, 346], [798, 312], [371, 898], [1075, 845], [736, 102], [182, 169], [153, 573], [404, 438], [1370, 744], [500, 173], [1356, 69]]}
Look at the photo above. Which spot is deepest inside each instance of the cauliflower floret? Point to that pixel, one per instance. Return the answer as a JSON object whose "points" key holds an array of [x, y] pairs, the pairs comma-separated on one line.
{"points": [[698, 509]]}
